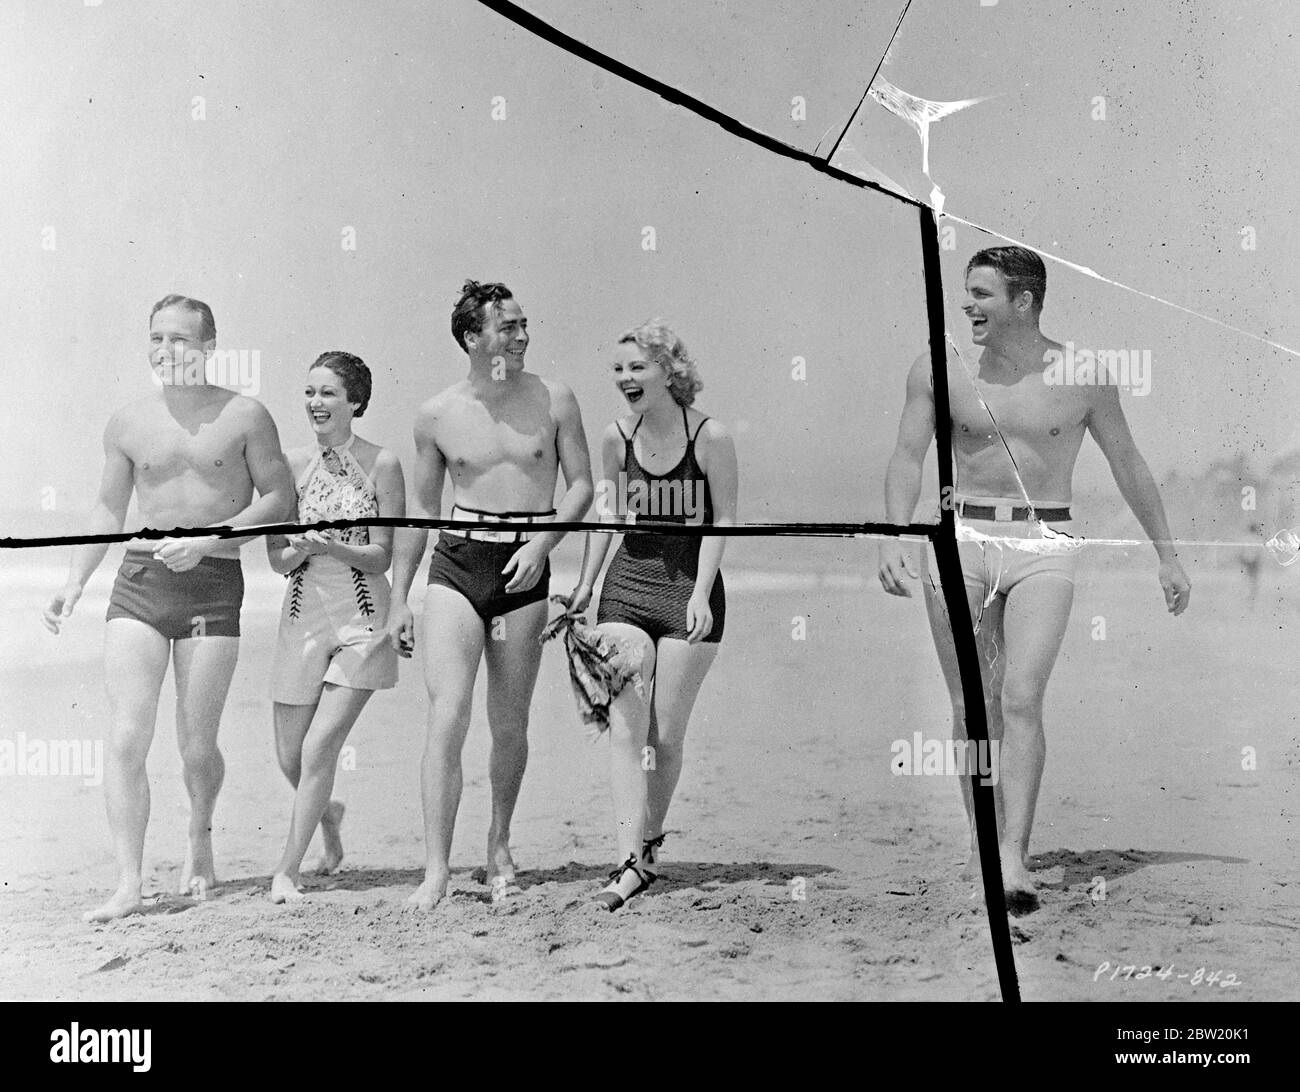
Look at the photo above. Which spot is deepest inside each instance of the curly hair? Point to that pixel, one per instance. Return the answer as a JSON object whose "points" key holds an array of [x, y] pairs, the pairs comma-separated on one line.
{"points": [[353, 373], [669, 351], [467, 315]]}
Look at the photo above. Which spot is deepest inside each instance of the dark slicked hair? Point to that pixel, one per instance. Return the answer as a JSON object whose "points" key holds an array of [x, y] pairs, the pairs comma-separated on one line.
{"points": [[1022, 269], [467, 315], [353, 373], [209, 330]]}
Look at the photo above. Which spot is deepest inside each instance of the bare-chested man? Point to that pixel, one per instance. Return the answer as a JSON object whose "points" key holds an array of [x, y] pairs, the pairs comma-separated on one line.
{"points": [[502, 434], [193, 453], [1019, 599]]}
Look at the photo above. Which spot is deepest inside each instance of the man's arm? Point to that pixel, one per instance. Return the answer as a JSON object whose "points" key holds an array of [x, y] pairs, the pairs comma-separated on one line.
{"points": [[575, 463], [599, 542], [525, 566], [267, 466], [106, 518], [1108, 426], [906, 466], [409, 542]]}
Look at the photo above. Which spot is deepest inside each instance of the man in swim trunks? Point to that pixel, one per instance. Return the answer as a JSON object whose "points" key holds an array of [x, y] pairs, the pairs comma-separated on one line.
{"points": [[502, 434], [1019, 598], [193, 454]]}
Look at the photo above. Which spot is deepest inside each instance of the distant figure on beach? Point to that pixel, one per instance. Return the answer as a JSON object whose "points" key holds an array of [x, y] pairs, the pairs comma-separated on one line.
{"points": [[502, 434], [1019, 593], [664, 463], [332, 651], [1251, 559], [194, 454], [1284, 476]]}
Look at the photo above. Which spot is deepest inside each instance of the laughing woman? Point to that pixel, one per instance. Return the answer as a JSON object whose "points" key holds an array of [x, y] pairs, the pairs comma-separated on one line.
{"points": [[332, 651], [662, 591]]}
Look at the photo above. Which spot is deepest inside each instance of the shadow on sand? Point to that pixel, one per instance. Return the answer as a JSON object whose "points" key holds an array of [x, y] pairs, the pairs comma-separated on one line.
{"points": [[676, 876], [1083, 867]]}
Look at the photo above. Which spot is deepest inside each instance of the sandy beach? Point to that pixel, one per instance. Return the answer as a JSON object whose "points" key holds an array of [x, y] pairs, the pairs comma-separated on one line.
{"points": [[800, 867]]}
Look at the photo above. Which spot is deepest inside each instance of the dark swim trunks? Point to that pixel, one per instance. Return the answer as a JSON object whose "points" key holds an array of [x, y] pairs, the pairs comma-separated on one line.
{"points": [[473, 568], [203, 602]]}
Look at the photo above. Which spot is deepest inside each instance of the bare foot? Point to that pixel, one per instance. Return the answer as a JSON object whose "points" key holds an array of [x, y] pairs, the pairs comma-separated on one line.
{"points": [[427, 895], [198, 876], [973, 870], [330, 823], [500, 865], [284, 889], [125, 900], [1018, 885]]}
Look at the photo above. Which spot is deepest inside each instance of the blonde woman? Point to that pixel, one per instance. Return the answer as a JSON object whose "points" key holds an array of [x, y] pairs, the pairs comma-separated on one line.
{"points": [[666, 463]]}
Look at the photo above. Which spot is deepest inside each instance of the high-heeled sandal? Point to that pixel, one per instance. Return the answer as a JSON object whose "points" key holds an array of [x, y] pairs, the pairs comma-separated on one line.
{"points": [[610, 897], [648, 854]]}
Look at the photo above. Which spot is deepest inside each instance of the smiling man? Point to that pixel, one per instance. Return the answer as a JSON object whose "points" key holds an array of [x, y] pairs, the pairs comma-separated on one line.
{"points": [[502, 434], [193, 454], [1019, 592]]}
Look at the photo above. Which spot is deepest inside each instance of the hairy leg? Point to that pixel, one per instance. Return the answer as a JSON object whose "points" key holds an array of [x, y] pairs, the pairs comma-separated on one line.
{"points": [[135, 662], [990, 646], [1036, 615], [451, 644], [513, 656], [204, 667]]}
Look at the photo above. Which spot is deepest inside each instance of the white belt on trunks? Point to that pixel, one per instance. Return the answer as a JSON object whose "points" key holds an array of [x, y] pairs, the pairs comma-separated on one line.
{"points": [[496, 533]]}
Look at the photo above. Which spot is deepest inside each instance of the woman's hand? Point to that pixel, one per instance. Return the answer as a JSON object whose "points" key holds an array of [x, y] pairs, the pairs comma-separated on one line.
{"points": [[699, 618], [579, 599], [312, 543]]}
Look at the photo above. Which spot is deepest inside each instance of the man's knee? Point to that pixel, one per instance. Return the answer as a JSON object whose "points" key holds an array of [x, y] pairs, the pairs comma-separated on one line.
{"points": [[449, 709], [127, 749], [1022, 699], [509, 730], [202, 756]]}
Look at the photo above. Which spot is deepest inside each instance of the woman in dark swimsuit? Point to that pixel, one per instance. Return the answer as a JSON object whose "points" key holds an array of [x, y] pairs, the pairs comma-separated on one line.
{"points": [[663, 463]]}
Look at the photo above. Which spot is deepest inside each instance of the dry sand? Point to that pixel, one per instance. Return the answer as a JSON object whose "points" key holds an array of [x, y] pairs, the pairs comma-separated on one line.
{"points": [[787, 789]]}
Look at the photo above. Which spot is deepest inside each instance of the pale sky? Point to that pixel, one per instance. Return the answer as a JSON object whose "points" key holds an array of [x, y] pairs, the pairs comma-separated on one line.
{"points": [[223, 151]]}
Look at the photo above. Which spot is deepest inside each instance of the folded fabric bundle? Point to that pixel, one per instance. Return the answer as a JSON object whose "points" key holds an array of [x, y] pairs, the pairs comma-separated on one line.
{"points": [[599, 666]]}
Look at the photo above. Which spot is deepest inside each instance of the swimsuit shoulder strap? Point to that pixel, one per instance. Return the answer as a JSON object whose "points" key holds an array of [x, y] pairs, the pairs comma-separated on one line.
{"points": [[699, 430], [344, 452], [638, 425]]}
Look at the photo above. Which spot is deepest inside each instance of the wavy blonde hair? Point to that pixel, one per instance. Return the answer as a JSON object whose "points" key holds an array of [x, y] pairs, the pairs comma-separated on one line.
{"points": [[669, 351]]}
